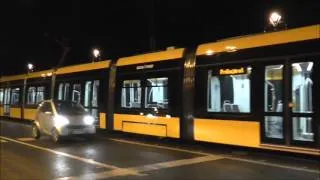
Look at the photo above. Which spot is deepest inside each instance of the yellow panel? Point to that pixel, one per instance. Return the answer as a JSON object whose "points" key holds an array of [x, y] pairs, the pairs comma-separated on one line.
{"points": [[15, 112], [103, 121], [30, 114], [12, 78], [265, 39], [1, 110], [173, 127], [151, 57], [83, 67], [242, 133], [62, 70], [148, 129]]}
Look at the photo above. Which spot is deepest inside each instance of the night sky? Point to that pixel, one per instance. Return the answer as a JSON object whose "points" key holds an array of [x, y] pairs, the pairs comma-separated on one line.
{"points": [[30, 28]]}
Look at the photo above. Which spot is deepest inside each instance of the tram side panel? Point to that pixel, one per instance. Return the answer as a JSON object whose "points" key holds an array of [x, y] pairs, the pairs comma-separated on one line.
{"points": [[88, 88], [148, 98]]}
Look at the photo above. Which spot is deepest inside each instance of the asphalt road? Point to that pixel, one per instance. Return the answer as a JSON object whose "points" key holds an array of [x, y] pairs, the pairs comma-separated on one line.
{"points": [[117, 156]]}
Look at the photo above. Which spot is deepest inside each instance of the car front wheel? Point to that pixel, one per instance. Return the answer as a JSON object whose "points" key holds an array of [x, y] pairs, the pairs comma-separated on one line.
{"points": [[35, 131], [55, 135]]}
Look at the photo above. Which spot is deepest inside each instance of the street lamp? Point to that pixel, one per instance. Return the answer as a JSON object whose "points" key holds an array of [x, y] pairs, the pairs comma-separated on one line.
{"points": [[30, 67], [275, 19], [96, 54]]}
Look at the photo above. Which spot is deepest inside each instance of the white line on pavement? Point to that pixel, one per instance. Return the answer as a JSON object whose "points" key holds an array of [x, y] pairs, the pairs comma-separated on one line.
{"points": [[317, 171], [89, 161], [3, 141], [146, 168]]}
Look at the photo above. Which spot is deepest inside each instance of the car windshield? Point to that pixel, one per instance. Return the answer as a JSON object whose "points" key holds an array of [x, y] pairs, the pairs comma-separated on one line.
{"points": [[67, 107]]}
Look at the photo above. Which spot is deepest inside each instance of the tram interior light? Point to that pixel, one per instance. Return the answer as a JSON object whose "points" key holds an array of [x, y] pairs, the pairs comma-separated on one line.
{"points": [[310, 65], [297, 66]]}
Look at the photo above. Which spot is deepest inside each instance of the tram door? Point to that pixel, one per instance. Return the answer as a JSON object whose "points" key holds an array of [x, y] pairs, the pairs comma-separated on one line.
{"points": [[289, 116], [6, 104]]}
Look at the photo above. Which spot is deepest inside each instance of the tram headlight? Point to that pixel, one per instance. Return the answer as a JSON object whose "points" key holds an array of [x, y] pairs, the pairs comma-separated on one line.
{"points": [[88, 120], [60, 121]]}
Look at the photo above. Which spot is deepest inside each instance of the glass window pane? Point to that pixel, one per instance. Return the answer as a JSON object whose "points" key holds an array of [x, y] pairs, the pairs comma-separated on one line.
{"points": [[15, 96], [60, 94], [302, 129], [1, 96], [302, 87], [7, 96], [40, 94], [273, 127], [131, 94], [229, 93], [273, 88], [95, 91], [95, 114], [87, 93], [31, 95], [66, 91], [156, 93], [76, 93]]}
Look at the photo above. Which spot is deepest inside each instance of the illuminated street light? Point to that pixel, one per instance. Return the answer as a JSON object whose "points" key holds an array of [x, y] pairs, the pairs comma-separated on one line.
{"points": [[96, 53], [30, 67], [275, 19]]}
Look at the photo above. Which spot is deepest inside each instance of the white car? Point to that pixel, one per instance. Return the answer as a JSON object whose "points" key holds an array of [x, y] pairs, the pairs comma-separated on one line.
{"points": [[61, 119]]}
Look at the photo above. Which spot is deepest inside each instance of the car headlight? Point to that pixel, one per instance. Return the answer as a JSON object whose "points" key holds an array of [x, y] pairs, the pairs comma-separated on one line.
{"points": [[88, 120], [60, 121]]}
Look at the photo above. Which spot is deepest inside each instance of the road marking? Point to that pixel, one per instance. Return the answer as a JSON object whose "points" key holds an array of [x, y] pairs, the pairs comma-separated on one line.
{"points": [[231, 157], [89, 161], [3, 141], [146, 168], [159, 147], [26, 139]]}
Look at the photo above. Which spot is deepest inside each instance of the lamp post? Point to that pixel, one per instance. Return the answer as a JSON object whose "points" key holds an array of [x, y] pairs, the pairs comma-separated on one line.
{"points": [[30, 68]]}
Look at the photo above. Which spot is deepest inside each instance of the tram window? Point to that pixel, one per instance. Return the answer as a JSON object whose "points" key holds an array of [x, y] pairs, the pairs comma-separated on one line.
{"points": [[229, 93], [302, 129], [156, 93], [1, 96], [87, 93], [76, 93], [95, 89], [66, 91], [15, 96], [131, 94], [273, 126], [302, 87], [273, 88], [31, 95], [40, 94], [7, 96], [60, 91]]}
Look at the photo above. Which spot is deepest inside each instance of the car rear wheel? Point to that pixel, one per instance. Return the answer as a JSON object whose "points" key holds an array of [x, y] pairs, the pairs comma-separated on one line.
{"points": [[35, 131], [55, 135]]}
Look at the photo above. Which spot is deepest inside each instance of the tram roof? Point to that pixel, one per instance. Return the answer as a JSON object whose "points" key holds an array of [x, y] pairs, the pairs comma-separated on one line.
{"points": [[62, 70], [151, 57], [259, 40]]}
